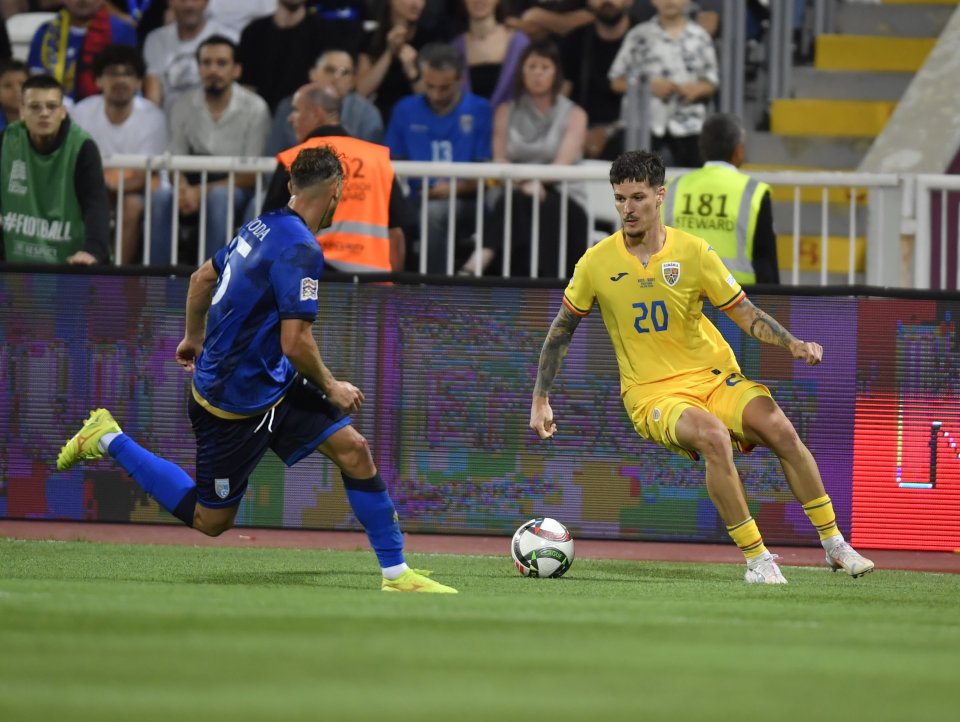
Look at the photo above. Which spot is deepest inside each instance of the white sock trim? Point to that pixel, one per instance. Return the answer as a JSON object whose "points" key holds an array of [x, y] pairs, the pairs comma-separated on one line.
{"points": [[395, 571], [105, 440], [831, 541]]}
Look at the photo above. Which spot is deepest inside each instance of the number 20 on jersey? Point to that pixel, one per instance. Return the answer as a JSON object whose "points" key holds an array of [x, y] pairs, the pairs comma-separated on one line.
{"points": [[651, 318]]}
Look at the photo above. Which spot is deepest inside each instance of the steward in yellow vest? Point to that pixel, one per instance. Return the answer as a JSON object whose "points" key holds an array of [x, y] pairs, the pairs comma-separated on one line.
{"points": [[366, 234], [727, 208]]}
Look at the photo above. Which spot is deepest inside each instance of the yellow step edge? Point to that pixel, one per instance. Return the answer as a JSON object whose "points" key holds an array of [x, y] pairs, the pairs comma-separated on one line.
{"points": [[808, 194], [838, 253], [835, 118], [871, 52]]}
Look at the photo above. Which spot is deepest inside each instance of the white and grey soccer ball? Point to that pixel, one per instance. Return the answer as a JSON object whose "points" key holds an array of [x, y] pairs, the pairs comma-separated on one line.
{"points": [[542, 547]]}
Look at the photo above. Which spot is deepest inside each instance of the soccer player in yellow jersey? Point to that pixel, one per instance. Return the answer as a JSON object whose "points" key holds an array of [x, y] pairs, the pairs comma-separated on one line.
{"points": [[679, 379]]}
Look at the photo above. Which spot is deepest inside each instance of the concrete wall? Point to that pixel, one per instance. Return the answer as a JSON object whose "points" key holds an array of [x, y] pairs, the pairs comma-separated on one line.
{"points": [[923, 136]]}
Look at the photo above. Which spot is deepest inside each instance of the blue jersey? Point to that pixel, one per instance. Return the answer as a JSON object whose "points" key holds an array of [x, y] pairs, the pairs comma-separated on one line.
{"points": [[269, 272], [463, 135], [121, 33]]}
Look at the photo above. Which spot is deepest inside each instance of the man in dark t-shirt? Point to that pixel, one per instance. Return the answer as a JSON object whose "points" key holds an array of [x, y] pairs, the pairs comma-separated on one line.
{"points": [[588, 53], [277, 51]]}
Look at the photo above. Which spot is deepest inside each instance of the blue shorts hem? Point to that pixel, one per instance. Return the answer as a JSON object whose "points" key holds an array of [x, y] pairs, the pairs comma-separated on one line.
{"points": [[309, 448], [220, 504]]}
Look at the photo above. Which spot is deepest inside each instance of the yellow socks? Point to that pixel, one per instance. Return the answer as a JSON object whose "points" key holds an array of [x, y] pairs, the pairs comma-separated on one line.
{"points": [[820, 513], [746, 535]]}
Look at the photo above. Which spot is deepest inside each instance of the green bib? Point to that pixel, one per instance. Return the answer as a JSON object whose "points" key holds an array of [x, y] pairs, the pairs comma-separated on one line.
{"points": [[42, 219], [720, 205]]}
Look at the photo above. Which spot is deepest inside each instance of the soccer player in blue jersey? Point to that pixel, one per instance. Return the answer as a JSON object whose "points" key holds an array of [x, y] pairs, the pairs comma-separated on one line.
{"points": [[259, 381], [679, 379]]}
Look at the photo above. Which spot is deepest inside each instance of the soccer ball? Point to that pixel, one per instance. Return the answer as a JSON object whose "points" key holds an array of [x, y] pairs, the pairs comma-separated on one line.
{"points": [[542, 548]]}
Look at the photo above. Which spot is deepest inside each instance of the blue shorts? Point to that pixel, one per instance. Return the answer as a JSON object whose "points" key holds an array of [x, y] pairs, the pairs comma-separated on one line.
{"points": [[228, 450]]}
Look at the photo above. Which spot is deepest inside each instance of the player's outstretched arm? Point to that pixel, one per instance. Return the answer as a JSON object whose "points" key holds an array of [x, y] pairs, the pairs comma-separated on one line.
{"points": [[551, 356], [300, 347], [199, 296], [765, 328]]}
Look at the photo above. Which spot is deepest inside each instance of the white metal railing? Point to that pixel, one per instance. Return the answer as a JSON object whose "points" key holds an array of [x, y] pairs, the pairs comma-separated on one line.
{"points": [[888, 212], [167, 166], [926, 187], [883, 189]]}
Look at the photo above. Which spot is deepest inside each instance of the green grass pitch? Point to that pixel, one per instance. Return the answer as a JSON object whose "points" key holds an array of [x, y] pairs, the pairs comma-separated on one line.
{"points": [[115, 632]]}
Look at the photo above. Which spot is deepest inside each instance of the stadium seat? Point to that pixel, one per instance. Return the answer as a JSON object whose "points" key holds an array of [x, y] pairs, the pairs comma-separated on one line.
{"points": [[21, 28]]}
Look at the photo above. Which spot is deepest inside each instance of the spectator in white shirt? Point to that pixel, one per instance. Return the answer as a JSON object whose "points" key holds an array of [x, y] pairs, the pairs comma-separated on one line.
{"points": [[120, 121], [222, 118], [170, 52], [235, 15], [678, 57]]}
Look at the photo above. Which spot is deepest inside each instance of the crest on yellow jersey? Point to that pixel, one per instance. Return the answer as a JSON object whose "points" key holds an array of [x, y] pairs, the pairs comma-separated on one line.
{"points": [[671, 272]]}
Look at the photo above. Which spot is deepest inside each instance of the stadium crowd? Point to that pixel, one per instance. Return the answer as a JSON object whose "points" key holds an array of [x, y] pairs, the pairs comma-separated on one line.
{"points": [[525, 81]]}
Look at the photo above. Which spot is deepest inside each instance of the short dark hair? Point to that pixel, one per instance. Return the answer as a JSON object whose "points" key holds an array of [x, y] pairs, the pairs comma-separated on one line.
{"points": [[441, 56], [316, 165], [218, 40], [119, 55], [640, 166], [41, 82], [545, 49], [720, 136], [12, 65]]}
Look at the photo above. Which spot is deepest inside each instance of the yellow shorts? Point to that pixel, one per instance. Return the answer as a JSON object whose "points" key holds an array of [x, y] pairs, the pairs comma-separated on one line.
{"points": [[655, 409]]}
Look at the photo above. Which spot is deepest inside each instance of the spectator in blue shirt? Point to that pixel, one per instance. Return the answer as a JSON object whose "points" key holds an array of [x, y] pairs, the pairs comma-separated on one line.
{"points": [[84, 28], [443, 124]]}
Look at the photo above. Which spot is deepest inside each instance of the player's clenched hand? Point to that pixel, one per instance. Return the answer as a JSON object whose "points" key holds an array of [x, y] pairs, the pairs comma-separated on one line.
{"points": [[187, 352], [541, 418], [807, 351], [345, 395]]}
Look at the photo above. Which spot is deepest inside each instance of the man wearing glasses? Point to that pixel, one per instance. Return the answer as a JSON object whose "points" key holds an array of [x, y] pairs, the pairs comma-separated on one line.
{"points": [[52, 193], [358, 116]]}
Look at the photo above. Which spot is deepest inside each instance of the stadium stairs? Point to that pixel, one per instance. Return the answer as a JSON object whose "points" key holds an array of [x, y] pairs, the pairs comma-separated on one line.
{"points": [[839, 105]]}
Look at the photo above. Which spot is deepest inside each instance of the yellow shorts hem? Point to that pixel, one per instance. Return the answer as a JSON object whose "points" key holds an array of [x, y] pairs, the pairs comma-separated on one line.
{"points": [[655, 413]]}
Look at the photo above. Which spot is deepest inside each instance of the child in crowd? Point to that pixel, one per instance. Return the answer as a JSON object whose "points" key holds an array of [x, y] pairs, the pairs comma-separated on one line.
{"points": [[13, 74]]}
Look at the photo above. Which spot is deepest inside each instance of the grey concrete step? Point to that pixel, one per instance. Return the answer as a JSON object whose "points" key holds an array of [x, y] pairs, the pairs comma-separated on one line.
{"points": [[911, 21], [843, 85], [806, 151]]}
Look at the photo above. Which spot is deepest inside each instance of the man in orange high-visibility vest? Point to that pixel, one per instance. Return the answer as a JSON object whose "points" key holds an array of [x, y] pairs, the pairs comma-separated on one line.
{"points": [[366, 235]]}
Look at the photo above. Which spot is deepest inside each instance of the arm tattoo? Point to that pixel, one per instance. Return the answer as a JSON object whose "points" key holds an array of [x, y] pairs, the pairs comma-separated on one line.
{"points": [[766, 328], [554, 349]]}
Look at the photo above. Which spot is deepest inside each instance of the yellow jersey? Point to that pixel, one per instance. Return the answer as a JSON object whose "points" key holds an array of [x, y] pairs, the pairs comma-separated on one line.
{"points": [[654, 314]]}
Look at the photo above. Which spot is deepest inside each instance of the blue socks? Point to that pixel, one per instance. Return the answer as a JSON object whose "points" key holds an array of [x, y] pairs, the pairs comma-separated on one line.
{"points": [[373, 508], [166, 482], [176, 492]]}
